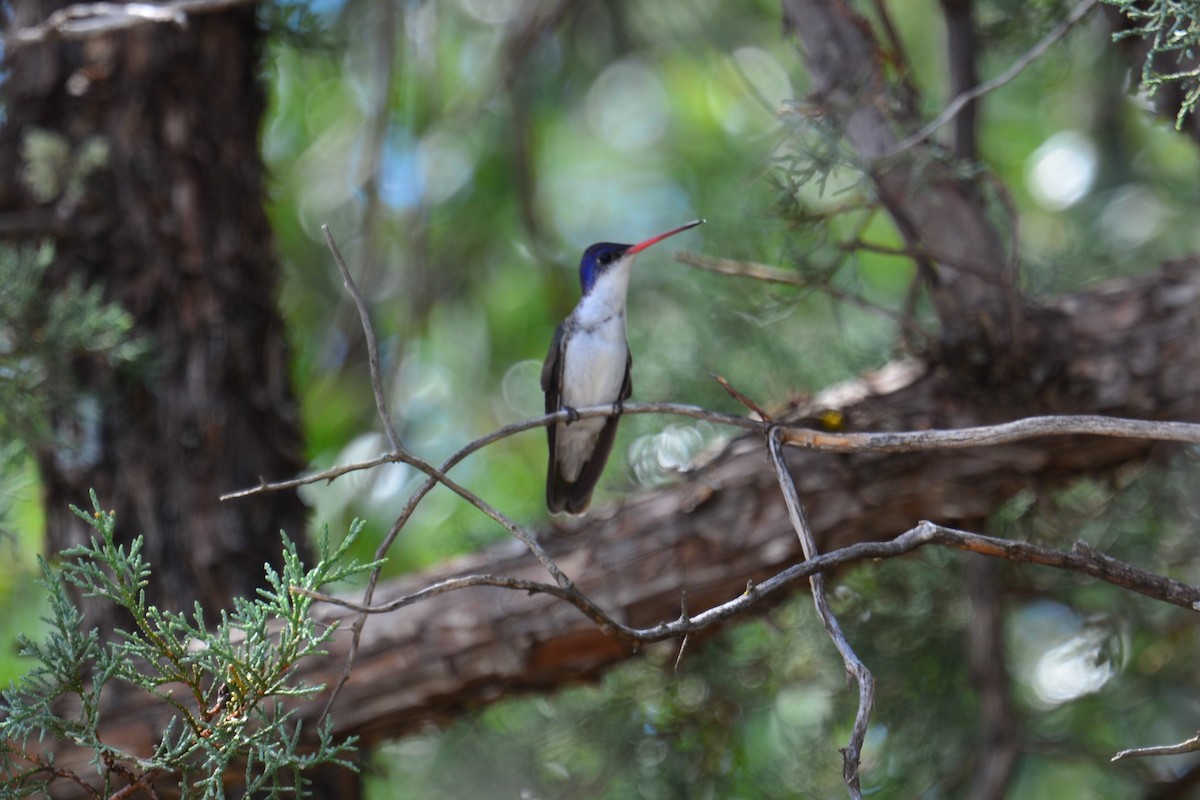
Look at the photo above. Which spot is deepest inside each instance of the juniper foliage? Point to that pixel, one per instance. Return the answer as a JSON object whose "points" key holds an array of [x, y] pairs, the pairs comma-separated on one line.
{"points": [[228, 685]]}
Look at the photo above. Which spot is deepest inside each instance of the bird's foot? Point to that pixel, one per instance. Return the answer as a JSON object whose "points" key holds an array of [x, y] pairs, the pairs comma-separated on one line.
{"points": [[618, 408], [572, 414]]}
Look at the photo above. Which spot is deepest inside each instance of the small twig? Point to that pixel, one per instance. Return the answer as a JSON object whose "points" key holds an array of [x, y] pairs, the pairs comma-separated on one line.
{"points": [[364, 317], [683, 617], [852, 754], [754, 407], [399, 453], [960, 102], [1190, 746], [42, 765], [769, 274], [324, 476], [569, 594], [144, 783]]}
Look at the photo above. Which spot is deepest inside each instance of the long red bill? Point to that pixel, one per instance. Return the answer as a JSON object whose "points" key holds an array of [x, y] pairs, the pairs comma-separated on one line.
{"points": [[640, 246]]}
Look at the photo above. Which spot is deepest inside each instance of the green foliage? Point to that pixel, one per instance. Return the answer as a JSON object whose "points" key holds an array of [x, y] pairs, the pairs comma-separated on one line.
{"points": [[1171, 29], [53, 169], [42, 337], [229, 686]]}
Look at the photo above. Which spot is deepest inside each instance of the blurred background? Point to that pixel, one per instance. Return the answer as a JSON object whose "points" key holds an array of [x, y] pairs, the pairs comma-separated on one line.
{"points": [[465, 152]]}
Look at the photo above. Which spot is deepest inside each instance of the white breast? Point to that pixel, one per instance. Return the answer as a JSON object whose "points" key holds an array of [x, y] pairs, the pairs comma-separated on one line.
{"points": [[593, 369]]}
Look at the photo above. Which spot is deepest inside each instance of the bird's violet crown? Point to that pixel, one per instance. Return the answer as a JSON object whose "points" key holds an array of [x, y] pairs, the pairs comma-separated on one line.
{"points": [[596, 261]]}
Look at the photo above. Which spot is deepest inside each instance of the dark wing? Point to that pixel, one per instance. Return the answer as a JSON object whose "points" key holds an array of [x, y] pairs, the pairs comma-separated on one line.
{"points": [[580, 492], [556, 489]]}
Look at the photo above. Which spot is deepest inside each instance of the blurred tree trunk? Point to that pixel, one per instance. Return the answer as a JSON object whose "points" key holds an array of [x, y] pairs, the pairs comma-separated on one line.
{"points": [[170, 223]]}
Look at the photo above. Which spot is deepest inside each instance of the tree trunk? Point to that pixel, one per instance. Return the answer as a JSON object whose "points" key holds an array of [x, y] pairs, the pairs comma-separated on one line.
{"points": [[172, 226]]}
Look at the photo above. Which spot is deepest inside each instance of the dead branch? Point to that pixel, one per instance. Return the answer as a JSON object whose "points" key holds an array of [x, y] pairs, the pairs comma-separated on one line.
{"points": [[1016, 68], [852, 754], [1190, 746], [802, 437]]}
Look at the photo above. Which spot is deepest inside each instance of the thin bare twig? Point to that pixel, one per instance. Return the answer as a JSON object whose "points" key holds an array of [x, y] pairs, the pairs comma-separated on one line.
{"points": [[325, 475], [769, 274], [960, 102], [683, 616], [1190, 746], [42, 765], [364, 317], [736, 394], [852, 754]]}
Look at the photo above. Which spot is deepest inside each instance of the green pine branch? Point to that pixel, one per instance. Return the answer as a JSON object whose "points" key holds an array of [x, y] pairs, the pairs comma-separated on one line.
{"points": [[1172, 28], [230, 716]]}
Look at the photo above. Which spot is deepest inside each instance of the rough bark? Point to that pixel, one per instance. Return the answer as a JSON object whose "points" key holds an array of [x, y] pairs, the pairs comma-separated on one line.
{"points": [[172, 226]]}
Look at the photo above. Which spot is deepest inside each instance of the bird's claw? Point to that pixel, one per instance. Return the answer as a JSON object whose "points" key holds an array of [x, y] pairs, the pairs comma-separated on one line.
{"points": [[572, 414]]}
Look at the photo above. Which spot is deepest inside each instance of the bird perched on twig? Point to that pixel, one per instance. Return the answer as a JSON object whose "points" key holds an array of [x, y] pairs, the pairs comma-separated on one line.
{"points": [[588, 365]]}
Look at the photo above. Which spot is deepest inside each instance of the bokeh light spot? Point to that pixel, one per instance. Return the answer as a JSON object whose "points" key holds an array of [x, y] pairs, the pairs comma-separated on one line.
{"points": [[1062, 170], [627, 107]]}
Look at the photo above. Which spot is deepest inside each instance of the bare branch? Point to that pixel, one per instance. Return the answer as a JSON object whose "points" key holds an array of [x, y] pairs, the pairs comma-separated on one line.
{"points": [[683, 615], [1003, 433], [852, 754], [1190, 746], [769, 274], [736, 394], [364, 316], [743, 269], [807, 438], [325, 475], [1016, 68]]}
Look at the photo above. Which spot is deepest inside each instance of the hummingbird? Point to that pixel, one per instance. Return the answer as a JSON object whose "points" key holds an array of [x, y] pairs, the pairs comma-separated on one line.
{"points": [[588, 365]]}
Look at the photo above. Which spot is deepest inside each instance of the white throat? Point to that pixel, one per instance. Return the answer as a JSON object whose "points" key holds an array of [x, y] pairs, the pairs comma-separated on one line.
{"points": [[607, 298]]}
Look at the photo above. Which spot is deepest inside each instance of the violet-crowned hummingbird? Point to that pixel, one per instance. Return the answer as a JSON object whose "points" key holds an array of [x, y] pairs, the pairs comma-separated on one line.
{"points": [[588, 365]]}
